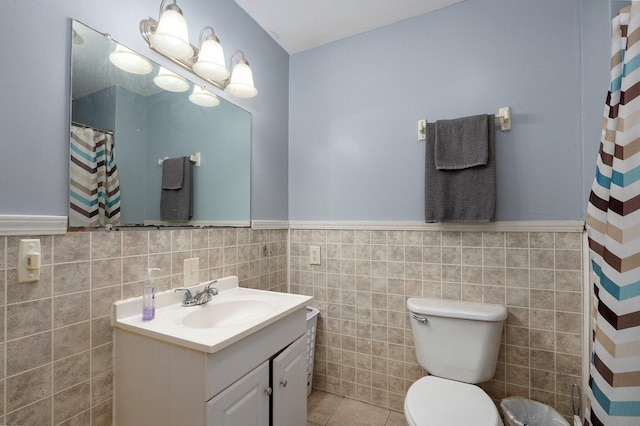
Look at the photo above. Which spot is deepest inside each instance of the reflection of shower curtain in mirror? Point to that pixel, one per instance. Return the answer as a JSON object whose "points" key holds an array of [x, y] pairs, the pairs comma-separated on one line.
{"points": [[94, 185], [613, 225]]}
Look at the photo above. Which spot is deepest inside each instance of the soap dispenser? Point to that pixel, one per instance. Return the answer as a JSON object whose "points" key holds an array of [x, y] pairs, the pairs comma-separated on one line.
{"points": [[149, 297]]}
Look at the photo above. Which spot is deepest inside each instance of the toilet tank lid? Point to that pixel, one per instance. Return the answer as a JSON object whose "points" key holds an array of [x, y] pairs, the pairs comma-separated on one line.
{"points": [[457, 309]]}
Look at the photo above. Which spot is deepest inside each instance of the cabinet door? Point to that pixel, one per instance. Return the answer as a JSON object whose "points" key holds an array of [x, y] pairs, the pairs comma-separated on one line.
{"points": [[244, 403], [290, 385]]}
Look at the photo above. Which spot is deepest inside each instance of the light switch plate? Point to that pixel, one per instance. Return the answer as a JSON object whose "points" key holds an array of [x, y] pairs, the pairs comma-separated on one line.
{"points": [[29, 259], [191, 271]]}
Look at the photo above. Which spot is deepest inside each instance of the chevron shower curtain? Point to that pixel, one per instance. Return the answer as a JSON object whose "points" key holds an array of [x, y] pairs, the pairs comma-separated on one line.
{"points": [[613, 227], [95, 187]]}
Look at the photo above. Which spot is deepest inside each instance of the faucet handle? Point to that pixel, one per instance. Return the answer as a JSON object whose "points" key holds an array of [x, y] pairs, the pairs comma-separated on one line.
{"points": [[208, 288], [188, 299], [208, 284]]}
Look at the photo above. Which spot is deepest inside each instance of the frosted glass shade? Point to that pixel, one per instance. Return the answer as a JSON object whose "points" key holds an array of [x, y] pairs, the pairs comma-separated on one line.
{"points": [[129, 61], [241, 84], [170, 81], [210, 63], [203, 97], [171, 37]]}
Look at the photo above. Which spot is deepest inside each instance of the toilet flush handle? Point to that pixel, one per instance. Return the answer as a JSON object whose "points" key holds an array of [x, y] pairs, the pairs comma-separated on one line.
{"points": [[423, 320]]}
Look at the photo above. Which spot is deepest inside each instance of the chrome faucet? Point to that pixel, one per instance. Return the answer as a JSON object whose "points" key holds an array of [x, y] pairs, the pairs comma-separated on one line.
{"points": [[206, 294], [201, 297]]}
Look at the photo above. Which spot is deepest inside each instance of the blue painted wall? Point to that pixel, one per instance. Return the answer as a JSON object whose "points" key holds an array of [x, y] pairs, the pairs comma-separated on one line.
{"points": [[355, 104], [35, 88], [131, 144], [343, 145]]}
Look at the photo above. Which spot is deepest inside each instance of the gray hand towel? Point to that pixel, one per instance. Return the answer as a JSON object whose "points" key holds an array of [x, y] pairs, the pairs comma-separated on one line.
{"points": [[177, 204], [172, 173], [462, 195], [462, 142]]}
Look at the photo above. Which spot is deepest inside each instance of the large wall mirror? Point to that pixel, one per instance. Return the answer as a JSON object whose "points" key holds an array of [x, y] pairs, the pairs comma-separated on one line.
{"points": [[149, 147]]}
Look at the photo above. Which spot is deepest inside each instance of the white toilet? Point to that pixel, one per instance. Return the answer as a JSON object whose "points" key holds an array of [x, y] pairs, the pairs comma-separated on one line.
{"points": [[457, 343]]}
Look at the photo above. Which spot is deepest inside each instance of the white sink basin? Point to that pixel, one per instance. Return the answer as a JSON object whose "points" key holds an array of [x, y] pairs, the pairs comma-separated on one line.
{"points": [[233, 314], [228, 313]]}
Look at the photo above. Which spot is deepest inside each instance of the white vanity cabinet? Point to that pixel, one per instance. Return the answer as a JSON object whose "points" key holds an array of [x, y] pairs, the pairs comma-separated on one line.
{"points": [[258, 380], [289, 371], [246, 402]]}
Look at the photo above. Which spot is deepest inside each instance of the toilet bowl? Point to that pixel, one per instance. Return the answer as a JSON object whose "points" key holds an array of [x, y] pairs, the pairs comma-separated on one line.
{"points": [[457, 343], [437, 401]]}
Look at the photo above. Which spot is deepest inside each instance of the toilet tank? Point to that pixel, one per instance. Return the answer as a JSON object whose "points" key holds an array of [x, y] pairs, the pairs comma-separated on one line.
{"points": [[457, 340]]}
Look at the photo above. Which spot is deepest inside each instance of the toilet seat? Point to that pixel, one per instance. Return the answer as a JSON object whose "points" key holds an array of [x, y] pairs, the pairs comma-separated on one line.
{"points": [[435, 401]]}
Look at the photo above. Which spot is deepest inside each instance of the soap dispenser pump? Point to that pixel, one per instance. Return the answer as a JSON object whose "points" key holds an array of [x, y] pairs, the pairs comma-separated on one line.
{"points": [[149, 297]]}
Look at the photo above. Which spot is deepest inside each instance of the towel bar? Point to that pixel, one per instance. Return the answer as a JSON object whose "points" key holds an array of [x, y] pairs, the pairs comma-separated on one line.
{"points": [[504, 115]]}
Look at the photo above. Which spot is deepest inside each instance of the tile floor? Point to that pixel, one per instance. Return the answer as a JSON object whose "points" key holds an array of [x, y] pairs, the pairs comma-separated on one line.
{"points": [[331, 410]]}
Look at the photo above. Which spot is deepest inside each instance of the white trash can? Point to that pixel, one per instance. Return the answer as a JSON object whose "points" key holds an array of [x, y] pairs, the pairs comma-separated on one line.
{"points": [[312, 322], [527, 412]]}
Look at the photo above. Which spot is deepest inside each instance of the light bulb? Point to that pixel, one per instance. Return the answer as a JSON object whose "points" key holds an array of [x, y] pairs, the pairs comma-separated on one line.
{"points": [[171, 37], [170, 81], [129, 61], [241, 84], [203, 97], [210, 63]]}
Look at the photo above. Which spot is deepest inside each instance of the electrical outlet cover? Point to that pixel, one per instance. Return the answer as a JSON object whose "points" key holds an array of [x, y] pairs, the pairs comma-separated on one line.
{"points": [[314, 255]]}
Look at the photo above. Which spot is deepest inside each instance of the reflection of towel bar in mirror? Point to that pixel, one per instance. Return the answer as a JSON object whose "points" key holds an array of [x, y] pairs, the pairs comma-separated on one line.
{"points": [[503, 115], [195, 159]]}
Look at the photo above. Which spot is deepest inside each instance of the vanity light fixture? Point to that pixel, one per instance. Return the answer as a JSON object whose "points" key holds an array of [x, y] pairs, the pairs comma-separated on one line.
{"points": [[129, 61], [171, 36], [203, 97], [168, 80], [210, 63], [241, 83], [207, 61]]}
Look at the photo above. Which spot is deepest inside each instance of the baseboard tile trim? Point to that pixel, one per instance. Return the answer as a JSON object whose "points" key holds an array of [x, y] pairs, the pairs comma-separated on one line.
{"points": [[504, 226], [269, 224], [32, 225]]}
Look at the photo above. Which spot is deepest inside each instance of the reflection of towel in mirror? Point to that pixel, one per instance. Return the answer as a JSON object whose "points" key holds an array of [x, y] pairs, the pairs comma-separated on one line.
{"points": [[176, 200]]}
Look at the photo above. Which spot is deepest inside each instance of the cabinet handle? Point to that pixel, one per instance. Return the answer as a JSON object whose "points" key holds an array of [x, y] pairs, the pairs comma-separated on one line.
{"points": [[283, 382], [268, 391]]}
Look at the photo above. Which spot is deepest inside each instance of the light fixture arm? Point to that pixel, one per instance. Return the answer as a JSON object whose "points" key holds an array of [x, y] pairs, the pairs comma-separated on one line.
{"points": [[173, 6], [243, 60], [161, 9], [213, 36]]}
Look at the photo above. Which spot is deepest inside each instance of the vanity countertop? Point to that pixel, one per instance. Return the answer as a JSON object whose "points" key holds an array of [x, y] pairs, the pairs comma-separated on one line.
{"points": [[233, 314]]}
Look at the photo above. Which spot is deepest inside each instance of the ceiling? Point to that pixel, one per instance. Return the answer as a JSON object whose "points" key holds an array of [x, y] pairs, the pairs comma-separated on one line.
{"points": [[298, 25]]}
